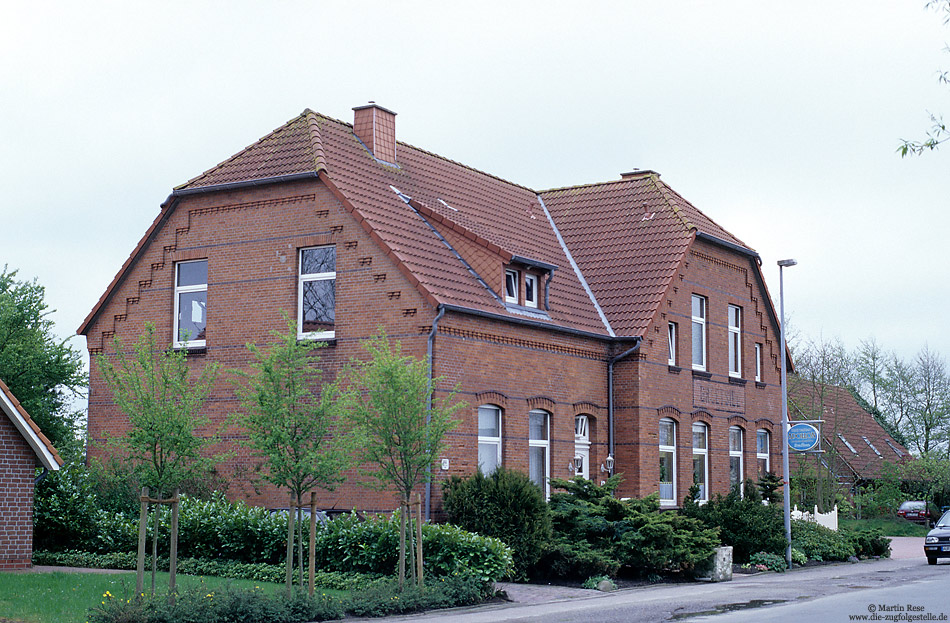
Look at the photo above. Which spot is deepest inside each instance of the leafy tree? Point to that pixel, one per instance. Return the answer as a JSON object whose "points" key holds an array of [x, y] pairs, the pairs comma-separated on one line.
{"points": [[927, 426], [938, 132], [900, 382], [290, 419], [870, 365], [152, 387], [42, 371], [398, 435]]}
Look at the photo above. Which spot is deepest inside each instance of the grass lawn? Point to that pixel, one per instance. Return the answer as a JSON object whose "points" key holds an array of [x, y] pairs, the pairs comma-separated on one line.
{"points": [[889, 526], [66, 597]]}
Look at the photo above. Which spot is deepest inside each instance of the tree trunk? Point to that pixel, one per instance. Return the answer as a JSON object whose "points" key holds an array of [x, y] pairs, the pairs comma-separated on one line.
{"points": [[173, 550], [300, 538], [419, 539], [402, 544], [313, 540], [140, 562], [154, 543], [290, 546]]}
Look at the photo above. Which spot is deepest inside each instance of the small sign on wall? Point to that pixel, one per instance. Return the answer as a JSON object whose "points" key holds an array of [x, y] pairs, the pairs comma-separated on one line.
{"points": [[804, 437]]}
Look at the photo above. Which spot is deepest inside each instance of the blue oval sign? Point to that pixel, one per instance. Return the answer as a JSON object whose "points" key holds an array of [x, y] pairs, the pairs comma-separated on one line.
{"points": [[802, 437]]}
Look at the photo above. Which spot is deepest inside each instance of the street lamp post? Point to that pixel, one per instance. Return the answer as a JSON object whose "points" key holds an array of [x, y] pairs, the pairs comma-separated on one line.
{"points": [[785, 477]]}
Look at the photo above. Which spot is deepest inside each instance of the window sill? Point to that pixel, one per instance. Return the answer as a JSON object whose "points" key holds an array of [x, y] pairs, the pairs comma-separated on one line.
{"points": [[329, 341], [674, 369], [702, 374], [760, 384], [191, 350], [737, 381]]}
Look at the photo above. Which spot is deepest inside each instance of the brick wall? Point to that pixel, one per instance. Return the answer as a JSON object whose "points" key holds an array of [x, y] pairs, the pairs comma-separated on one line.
{"points": [[17, 463], [687, 397], [251, 238]]}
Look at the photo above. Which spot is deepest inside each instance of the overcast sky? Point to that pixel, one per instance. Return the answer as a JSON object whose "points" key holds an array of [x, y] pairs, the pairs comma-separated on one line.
{"points": [[778, 120]]}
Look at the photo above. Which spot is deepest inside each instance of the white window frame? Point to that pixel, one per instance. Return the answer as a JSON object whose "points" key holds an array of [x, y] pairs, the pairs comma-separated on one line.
{"points": [[735, 340], [702, 452], [516, 277], [533, 280], [699, 331], [758, 362], [669, 449], [737, 453], [303, 278], [179, 290], [487, 440], [542, 443], [759, 455], [671, 338], [582, 444]]}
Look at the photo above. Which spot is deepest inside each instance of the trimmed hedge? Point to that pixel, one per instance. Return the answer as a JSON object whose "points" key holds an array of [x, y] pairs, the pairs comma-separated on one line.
{"points": [[820, 543]]}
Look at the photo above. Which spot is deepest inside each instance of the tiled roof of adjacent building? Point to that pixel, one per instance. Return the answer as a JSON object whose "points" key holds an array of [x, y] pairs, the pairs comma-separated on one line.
{"points": [[46, 454], [627, 237], [859, 446]]}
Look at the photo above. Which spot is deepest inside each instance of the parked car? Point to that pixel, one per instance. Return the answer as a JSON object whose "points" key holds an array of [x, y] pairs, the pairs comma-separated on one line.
{"points": [[925, 513], [937, 543]]}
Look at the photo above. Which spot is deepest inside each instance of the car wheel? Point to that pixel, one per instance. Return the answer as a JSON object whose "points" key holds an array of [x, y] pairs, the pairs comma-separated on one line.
{"points": [[931, 561]]}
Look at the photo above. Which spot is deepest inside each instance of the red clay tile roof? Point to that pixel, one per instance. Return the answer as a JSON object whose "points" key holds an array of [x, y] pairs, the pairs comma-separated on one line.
{"points": [[627, 261], [843, 416], [44, 450], [628, 238]]}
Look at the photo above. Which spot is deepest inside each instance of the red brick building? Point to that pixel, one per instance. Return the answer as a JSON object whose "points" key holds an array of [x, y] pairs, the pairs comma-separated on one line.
{"points": [[23, 448], [606, 320]]}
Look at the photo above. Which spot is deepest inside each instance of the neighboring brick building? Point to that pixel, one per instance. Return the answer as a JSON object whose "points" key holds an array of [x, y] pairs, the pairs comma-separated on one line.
{"points": [[552, 311], [856, 446], [23, 448]]}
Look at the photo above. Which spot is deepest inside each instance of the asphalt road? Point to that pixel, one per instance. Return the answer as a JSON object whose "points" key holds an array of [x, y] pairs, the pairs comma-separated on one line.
{"points": [[832, 593]]}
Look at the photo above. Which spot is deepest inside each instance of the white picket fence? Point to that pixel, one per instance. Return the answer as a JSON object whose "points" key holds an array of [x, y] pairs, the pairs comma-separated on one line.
{"points": [[828, 520]]}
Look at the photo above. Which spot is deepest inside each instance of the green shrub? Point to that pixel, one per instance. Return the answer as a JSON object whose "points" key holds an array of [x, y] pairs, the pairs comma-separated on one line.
{"points": [[385, 599], [773, 561], [199, 606], [868, 542], [598, 534], [820, 543], [799, 557], [744, 523], [65, 512], [505, 505], [593, 582]]}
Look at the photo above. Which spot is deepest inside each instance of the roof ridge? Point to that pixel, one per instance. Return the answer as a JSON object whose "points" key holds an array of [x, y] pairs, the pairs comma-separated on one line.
{"points": [[664, 191], [706, 216], [651, 175], [316, 140]]}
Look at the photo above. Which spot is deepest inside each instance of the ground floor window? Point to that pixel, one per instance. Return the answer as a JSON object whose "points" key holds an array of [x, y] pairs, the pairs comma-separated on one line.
{"points": [[539, 444], [735, 458], [701, 460], [489, 438], [667, 462], [582, 446], [762, 451]]}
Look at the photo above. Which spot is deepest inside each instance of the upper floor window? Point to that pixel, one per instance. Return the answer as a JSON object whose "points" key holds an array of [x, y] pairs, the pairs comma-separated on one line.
{"points": [[531, 290], [316, 293], [191, 303], [671, 341], [701, 460], [735, 458], [667, 462], [489, 438], [758, 362], [699, 332], [735, 341], [762, 451], [539, 443], [512, 285]]}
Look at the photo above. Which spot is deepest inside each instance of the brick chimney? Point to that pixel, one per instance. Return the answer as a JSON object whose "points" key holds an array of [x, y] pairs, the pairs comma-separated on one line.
{"points": [[376, 127]]}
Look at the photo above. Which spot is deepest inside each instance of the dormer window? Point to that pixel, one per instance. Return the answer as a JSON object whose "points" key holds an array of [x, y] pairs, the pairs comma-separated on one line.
{"points": [[530, 291], [512, 283]]}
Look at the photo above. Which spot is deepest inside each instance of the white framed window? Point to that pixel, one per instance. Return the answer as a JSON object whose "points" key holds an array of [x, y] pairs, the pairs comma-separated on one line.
{"points": [[191, 303], [489, 438], [582, 445], [316, 293], [736, 473], [531, 290], [539, 446], [735, 340], [671, 342], [701, 460], [667, 462], [758, 362], [512, 285], [699, 332], [762, 451]]}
